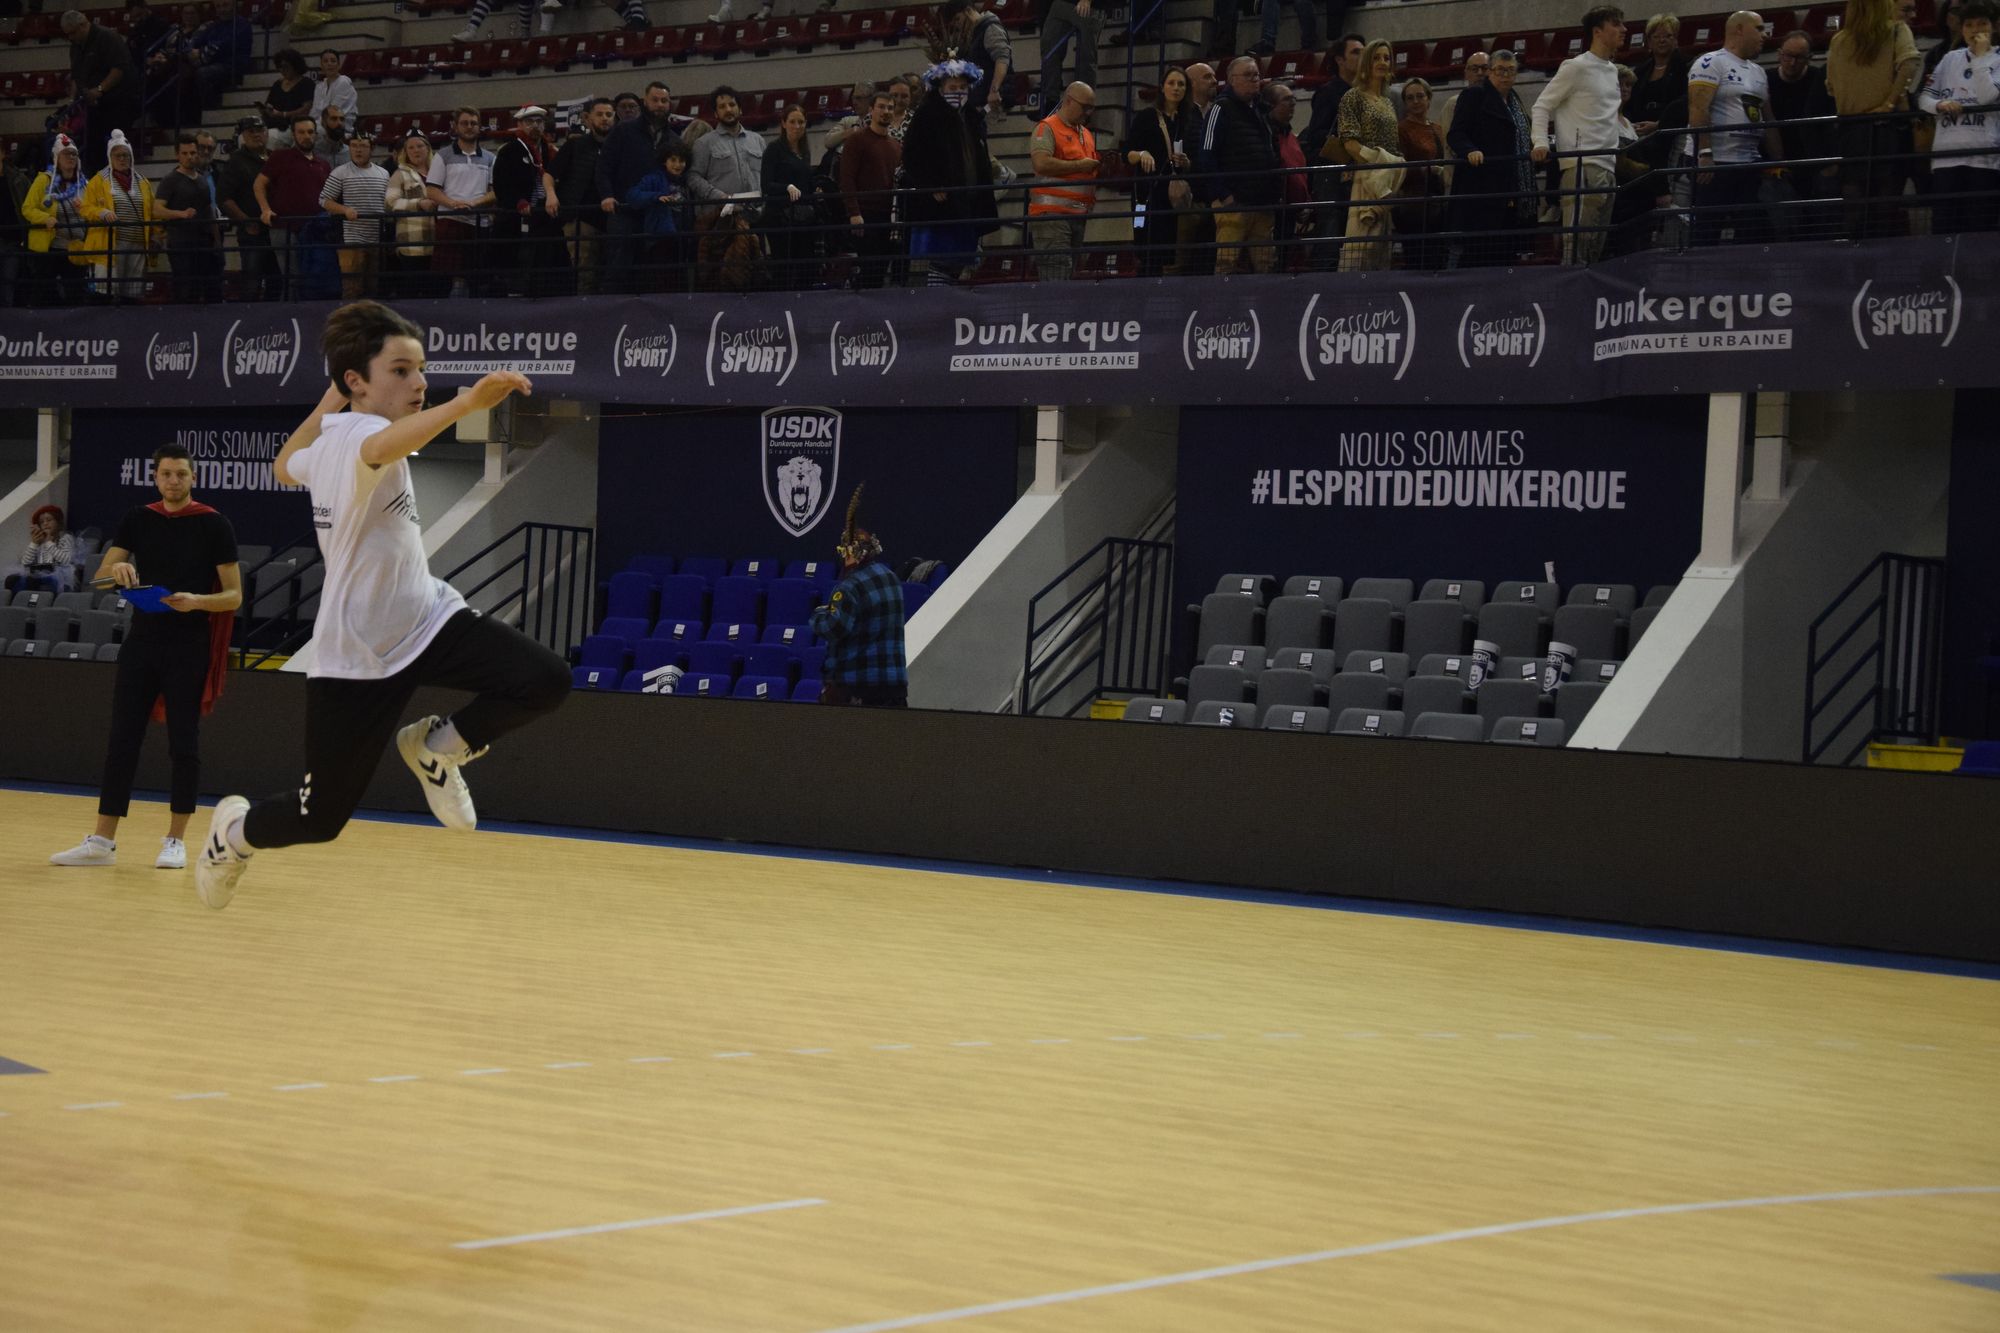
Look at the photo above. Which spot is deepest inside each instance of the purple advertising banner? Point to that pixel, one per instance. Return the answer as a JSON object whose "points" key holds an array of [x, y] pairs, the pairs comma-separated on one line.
{"points": [[1812, 316]]}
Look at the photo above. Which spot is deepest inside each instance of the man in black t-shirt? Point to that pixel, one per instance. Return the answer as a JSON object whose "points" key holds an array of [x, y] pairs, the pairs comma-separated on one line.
{"points": [[173, 658]]}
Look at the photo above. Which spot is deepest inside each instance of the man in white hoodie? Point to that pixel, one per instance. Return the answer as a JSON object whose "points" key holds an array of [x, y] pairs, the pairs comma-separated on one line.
{"points": [[1583, 100]]}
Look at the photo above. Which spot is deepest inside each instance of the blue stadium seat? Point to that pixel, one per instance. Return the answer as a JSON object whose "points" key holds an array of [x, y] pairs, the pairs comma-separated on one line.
{"points": [[811, 659], [635, 680], [738, 600], [595, 678], [660, 567], [652, 653], [797, 636], [715, 659], [707, 568], [704, 685], [738, 632], [607, 651], [762, 570], [791, 601], [632, 595], [914, 597], [771, 659], [820, 572], [772, 688], [806, 692], [683, 597], [680, 631], [631, 629]]}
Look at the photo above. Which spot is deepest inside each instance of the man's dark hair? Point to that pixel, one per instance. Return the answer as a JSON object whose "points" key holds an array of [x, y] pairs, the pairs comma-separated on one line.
{"points": [[170, 451], [952, 9], [1598, 15], [472, 111], [624, 97], [355, 333], [597, 102], [661, 86], [183, 137], [879, 95], [1352, 37], [725, 91], [304, 118], [329, 52], [290, 59]]}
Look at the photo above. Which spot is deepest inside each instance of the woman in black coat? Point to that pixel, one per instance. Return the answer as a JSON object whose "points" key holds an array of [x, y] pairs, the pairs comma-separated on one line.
{"points": [[944, 153], [1165, 131], [790, 187], [1493, 184]]}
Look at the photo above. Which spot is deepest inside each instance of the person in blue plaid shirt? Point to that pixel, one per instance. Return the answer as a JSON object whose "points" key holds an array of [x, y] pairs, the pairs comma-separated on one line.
{"points": [[862, 625]]}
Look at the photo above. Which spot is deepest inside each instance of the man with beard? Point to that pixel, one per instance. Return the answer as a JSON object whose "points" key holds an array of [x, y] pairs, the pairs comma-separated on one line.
{"points": [[575, 173], [631, 153], [527, 237]]}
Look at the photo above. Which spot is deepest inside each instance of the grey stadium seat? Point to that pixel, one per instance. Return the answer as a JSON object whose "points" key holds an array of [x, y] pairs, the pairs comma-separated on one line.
{"points": [[75, 652], [1515, 626], [1249, 656], [1155, 710], [1593, 669], [1311, 720], [114, 601], [107, 652], [1396, 666], [1228, 618], [78, 602], [1287, 687], [1657, 594], [1509, 698], [1519, 668], [1218, 713], [54, 623], [1546, 732], [1543, 595], [1642, 620], [1227, 684], [271, 588], [1620, 597], [1433, 694], [1361, 623], [1357, 689], [1259, 588], [1440, 625], [28, 648], [1591, 630], [1444, 664], [1297, 622], [1447, 727], [1574, 702], [15, 622], [95, 627], [32, 598], [1469, 592], [1396, 592], [1369, 722], [1319, 662], [251, 554], [1327, 587]]}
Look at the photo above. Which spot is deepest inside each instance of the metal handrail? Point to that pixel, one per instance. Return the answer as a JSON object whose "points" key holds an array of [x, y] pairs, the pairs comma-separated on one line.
{"points": [[285, 617], [1119, 620], [555, 561], [1905, 604]]}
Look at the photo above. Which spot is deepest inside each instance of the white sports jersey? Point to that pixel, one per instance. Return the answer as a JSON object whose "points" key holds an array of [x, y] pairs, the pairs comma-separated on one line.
{"points": [[1741, 94], [380, 606], [1959, 78]]}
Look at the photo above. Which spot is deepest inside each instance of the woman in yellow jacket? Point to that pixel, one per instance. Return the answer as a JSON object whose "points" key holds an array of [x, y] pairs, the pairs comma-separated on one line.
{"points": [[53, 210], [118, 205]]}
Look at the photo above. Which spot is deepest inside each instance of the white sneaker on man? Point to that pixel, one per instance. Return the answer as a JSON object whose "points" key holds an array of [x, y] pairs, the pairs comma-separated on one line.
{"points": [[220, 865], [92, 851], [173, 855], [444, 786], [470, 32]]}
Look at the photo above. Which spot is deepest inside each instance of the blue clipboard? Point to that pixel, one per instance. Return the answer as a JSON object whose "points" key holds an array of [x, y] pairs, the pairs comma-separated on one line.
{"points": [[149, 598]]}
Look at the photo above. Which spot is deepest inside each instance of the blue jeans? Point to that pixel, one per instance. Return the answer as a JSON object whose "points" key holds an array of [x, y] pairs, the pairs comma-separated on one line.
{"points": [[1308, 13]]}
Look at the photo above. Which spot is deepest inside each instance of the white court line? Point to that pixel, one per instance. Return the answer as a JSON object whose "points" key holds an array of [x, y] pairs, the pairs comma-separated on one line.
{"points": [[1441, 1036], [1390, 1246], [298, 1087], [1124, 1038], [812, 1050], [396, 1078], [197, 1096], [603, 1227], [650, 1060], [1513, 1036], [1048, 1041], [1595, 1036], [896, 1046], [478, 1073], [94, 1106], [972, 1043], [734, 1055], [569, 1064]]}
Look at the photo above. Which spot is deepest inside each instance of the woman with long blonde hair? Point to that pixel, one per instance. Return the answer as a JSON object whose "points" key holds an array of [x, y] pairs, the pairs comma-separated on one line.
{"points": [[1366, 126], [1869, 67]]}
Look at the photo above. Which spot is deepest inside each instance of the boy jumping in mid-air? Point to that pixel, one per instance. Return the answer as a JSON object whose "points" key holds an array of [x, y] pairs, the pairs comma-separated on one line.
{"points": [[385, 625]]}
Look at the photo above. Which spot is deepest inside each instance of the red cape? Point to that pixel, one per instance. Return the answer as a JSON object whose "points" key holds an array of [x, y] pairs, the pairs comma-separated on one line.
{"points": [[219, 625]]}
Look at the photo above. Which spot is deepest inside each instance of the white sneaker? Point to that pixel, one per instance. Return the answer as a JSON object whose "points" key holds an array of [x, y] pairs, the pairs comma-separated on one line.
{"points": [[547, 23], [220, 865], [551, 6], [469, 32], [444, 786], [173, 855], [92, 851]]}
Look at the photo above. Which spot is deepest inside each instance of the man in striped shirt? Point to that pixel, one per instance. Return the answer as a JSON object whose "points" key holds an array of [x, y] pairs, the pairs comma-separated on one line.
{"points": [[354, 192], [862, 625]]}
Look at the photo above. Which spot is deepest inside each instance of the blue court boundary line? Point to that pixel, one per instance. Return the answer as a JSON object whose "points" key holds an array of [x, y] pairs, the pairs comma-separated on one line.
{"points": [[1547, 925]]}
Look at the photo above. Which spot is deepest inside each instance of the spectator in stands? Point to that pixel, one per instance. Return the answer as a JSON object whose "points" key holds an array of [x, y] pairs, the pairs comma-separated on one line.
{"points": [[790, 198], [527, 232], [1582, 102], [664, 206], [145, 28], [1194, 228], [1472, 76], [859, 99], [945, 162], [631, 152], [1343, 63], [1366, 126], [102, 73], [407, 200], [53, 211], [236, 196], [222, 52], [1308, 14], [1063, 152], [291, 92], [728, 161], [1642, 190], [1239, 155], [1799, 93], [1420, 212], [868, 163], [626, 106], [981, 38], [1660, 76], [287, 189], [633, 12], [1163, 132], [575, 172], [1949, 33], [1281, 106], [1729, 137], [902, 98], [49, 559], [1494, 180], [1966, 180], [862, 625], [1869, 65], [119, 205], [181, 201], [330, 146], [461, 181], [335, 89], [1073, 24], [355, 192], [168, 96]]}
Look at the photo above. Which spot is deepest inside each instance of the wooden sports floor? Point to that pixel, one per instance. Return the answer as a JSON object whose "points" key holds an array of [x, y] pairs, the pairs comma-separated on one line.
{"points": [[421, 1081]]}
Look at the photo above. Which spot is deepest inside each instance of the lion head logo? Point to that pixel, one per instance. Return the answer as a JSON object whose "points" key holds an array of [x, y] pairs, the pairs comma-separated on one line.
{"points": [[799, 489]]}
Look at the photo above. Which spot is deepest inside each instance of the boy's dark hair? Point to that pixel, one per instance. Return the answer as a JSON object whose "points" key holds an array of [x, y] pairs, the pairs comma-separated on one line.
{"points": [[1978, 9], [671, 146], [355, 333], [171, 451], [184, 137], [1598, 15]]}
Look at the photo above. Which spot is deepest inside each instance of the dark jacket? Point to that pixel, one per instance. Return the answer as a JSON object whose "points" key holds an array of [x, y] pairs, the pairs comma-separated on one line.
{"points": [[516, 173], [781, 167], [1326, 107], [1145, 136], [945, 147], [575, 170], [1238, 146], [631, 153], [1798, 101], [1481, 123]]}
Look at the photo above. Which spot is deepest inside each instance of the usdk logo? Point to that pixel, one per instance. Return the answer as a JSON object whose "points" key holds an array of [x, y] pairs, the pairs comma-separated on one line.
{"points": [[261, 353], [1882, 313], [1505, 335], [644, 353], [1233, 340], [40, 357], [173, 357], [759, 349], [865, 348], [1028, 344], [800, 460], [1375, 335]]}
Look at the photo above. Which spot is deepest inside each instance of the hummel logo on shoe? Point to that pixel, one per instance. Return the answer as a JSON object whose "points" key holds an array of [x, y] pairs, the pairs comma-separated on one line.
{"points": [[444, 786]]}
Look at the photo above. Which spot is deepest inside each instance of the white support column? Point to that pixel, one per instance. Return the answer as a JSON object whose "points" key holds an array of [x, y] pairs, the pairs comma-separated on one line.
{"points": [[1771, 454], [1722, 484], [51, 433], [1050, 423], [496, 462]]}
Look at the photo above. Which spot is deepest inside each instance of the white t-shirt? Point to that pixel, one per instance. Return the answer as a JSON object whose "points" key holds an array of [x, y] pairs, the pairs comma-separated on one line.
{"points": [[1742, 91], [1959, 78], [380, 607]]}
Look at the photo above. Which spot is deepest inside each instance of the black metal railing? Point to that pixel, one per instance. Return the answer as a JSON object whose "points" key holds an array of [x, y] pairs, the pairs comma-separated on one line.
{"points": [[537, 578], [1108, 636], [280, 593], [1873, 661]]}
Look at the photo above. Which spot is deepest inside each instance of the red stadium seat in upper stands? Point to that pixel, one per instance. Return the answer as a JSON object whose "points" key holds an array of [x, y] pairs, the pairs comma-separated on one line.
{"points": [[699, 106], [830, 29], [749, 36], [792, 34], [1448, 57], [1780, 24], [12, 86], [709, 39], [1822, 22], [1017, 15], [871, 25], [756, 108], [509, 55], [910, 23], [1293, 67], [1703, 32], [1407, 59], [828, 103], [1530, 48], [50, 85], [548, 53], [1569, 42], [1002, 268], [368, 65], [666, 43]]}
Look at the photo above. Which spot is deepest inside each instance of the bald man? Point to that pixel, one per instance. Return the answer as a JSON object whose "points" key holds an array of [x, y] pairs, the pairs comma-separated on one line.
{"points": [[1064, 152], [1731, 134]]}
